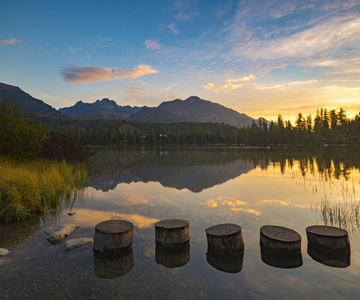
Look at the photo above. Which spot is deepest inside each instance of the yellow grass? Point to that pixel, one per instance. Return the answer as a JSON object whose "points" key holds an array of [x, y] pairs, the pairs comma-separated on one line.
{"points": [[35, 186]]}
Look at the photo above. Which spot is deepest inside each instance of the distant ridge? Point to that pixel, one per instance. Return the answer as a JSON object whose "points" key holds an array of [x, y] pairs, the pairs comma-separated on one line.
{"points": [[104, 109], [26, 103], [193, 109]]}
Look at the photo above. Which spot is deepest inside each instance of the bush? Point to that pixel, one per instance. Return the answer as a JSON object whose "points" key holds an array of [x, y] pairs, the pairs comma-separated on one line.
{"points": [[20, 136], [62, 147]]}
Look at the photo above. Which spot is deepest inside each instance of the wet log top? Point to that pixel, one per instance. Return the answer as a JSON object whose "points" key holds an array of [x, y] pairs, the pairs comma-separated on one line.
{"points": [[172, 224], [114, 226], [327, 231], [223, 229], [280, 233]]}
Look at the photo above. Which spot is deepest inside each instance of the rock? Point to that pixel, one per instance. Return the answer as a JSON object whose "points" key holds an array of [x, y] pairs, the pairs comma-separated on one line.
{"points": [[77, 243], [59, 233], [4, 252]]}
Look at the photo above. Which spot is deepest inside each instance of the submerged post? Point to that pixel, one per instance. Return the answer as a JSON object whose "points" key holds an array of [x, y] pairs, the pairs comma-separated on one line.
{"points": [[328, 238], [281, 239], [172, 234], [225, 238], [113, 238]]}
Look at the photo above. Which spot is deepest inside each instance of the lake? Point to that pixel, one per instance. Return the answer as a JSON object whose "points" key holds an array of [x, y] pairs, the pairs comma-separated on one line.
{"points": [[251, 187]]}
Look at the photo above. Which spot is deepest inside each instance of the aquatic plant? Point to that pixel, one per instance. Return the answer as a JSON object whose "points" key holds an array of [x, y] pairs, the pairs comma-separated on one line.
{"points": [[28, 187]]}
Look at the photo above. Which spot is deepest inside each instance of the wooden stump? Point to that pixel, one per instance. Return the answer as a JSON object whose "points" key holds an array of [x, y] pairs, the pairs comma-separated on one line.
{"points": [[278, 259], [226, 262], [336, 259], [172, 258], [172, 234], [113, 238], [281, 239], [112, 268], [225, 238], [328, 238]]}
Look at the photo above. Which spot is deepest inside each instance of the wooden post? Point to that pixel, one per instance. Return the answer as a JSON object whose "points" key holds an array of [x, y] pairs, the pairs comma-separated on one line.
{"points": [[172, 234], [225, 238], [328, 238], [113, 238], [281, 239]]}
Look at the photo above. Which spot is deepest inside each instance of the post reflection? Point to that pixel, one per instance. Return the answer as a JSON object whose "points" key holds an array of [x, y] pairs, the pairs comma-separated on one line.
{"points": [[278, 259], [228, 263], [174, 258], [335, 259], [112, 268]]}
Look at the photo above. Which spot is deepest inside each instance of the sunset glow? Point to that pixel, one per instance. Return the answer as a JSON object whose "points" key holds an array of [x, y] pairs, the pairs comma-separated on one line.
{"points": [[261, 58]]}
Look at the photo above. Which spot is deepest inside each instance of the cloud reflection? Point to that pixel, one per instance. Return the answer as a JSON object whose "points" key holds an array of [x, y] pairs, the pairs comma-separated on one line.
{"points": [[89, 218], [225, 201]]}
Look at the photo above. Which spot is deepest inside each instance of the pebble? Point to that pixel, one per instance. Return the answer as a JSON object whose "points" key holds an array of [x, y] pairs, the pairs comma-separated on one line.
{"points": [[4, 252]]}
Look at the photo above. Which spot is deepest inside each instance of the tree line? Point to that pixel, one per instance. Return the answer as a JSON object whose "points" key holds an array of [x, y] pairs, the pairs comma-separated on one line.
{"points": [[327, 127]]}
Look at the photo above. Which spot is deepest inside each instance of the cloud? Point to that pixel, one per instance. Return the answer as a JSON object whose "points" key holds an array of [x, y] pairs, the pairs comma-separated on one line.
{"points": [[152, 44], [11, 41], [250, 77], [227, 87], [302, 82], [184, 16], [77, 74], [173, 29], [329, 40]]}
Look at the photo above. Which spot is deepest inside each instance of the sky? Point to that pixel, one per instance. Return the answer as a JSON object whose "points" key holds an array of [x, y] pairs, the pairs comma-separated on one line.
{"points": [[258, 57]]}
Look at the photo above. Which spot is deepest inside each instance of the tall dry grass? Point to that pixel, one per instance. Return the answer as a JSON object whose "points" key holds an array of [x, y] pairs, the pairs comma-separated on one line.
{"points": [[28, 187]]}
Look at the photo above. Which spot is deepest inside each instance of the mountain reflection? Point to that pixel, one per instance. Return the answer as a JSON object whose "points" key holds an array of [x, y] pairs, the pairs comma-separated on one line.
{"points": [[199, 168], [193, 169]]}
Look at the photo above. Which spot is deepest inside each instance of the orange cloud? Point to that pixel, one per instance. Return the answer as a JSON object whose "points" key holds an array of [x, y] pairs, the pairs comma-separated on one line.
{"points": [[9, 42], [222, 88], [247, 78], [93, 74]]}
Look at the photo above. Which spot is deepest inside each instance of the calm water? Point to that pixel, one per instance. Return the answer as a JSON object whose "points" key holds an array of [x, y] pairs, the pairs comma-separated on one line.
{"points": [[294, 188]]}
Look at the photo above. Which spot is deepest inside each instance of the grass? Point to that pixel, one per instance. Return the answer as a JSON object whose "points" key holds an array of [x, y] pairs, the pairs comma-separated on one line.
{"points": [[28, 187]]}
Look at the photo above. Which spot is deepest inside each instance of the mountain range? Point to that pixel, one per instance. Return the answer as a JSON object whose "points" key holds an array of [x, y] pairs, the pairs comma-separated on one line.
{"points": [[26, 103], [193, 109]]}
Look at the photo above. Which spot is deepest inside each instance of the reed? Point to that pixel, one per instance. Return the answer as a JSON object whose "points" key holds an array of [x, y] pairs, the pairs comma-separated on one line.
{"points": [[28, 187]]}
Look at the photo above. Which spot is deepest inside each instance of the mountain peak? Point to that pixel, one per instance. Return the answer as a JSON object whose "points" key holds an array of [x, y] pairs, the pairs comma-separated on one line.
{"points": [[194, 99]]}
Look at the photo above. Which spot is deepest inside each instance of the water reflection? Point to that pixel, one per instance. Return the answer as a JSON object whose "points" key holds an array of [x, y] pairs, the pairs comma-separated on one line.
{"points": [[228, 263], [111, 268], [280, 260], [195, 170], [174, 258], [336, 259]]}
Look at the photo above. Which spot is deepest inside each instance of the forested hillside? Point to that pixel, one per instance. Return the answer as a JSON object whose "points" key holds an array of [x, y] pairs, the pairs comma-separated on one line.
{"points": [[327, 127]]}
